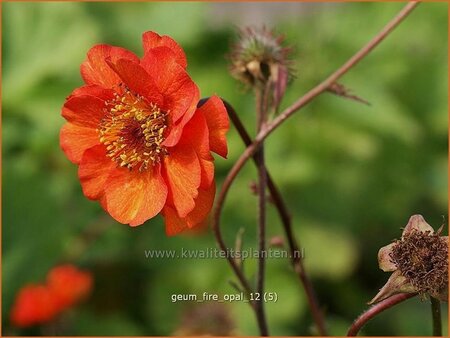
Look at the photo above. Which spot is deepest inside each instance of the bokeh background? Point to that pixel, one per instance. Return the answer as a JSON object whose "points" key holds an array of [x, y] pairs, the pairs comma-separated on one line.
{"points": [[351, 174]]}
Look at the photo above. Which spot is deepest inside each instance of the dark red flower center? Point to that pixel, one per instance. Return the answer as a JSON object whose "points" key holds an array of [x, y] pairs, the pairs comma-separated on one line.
{"points": [[133, 131]]}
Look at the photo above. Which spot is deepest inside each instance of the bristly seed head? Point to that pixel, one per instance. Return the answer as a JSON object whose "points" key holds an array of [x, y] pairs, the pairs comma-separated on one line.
{"points": [[422, 258], [259, 56], [133, 131]]}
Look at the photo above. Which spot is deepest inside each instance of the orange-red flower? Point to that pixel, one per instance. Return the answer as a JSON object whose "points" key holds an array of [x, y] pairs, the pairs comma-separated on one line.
{"points": [[39, 303], [142, 145], [68, 285], [34, 304]]}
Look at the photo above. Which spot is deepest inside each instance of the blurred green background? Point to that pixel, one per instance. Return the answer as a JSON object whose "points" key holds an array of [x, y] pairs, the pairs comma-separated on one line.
{"points": [[351, 174]]}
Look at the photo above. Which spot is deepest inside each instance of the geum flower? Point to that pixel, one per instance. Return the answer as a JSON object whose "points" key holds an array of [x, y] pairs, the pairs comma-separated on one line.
{"points": [[34, 304], [142, 145], [41, 303], [69, 284], [418, 262]]}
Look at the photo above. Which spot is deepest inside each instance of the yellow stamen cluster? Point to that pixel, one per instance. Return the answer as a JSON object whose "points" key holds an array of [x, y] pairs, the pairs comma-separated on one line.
{"points": [[132, 131]]}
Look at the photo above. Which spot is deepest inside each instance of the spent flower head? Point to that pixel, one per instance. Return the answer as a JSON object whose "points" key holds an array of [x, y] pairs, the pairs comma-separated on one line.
{"points": [[419, 262], [259, 58]]}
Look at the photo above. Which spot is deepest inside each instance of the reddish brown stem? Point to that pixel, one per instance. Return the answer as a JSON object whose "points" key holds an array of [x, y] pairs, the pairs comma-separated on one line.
{"points": [[286, 221], [375, 310], [261, 98]]}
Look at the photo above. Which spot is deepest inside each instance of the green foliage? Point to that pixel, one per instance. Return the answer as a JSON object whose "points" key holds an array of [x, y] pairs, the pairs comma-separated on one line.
{"points": [[351, 174]]}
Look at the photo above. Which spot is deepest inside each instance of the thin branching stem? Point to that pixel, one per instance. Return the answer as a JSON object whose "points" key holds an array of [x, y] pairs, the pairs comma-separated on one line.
{"points": [[286, 221], [266, 130], [308, 97]]}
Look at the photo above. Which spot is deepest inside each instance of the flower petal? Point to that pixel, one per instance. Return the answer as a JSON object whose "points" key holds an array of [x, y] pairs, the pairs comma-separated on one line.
{"points": [[137, 79], [94, 170], [196, 132], [203, 205], [395, 284], [218, 124], [152, 40], [196, 218], [133, 197], [95, 70], [183, 175], [75, 140], [180, 100], [179, 91], [93, 90], [84, 110], [176, 130], [418, 223], [174, 224], [163, 68], [155, 196], [384, 258], [207, 168]]}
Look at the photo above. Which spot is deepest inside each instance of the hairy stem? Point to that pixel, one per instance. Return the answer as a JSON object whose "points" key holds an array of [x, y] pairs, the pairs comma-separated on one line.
{"points": [[286, 221], [375, 310], [436, 315], [262, 183]]}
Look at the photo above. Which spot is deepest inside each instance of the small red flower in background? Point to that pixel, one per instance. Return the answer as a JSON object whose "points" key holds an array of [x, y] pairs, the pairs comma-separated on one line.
{"points": [[37, 304], [68, 284], [142, 145], [34, 304]]}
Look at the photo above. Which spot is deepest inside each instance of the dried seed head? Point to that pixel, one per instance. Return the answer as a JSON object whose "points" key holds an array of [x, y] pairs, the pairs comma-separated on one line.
{"points": [[422, 258], [259, 57], [418, 262]]}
